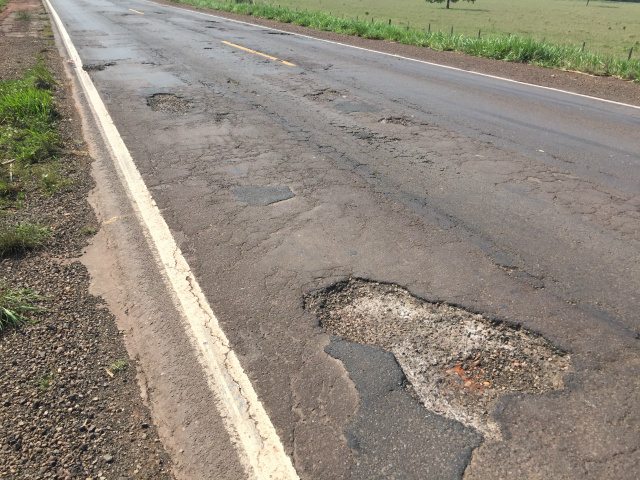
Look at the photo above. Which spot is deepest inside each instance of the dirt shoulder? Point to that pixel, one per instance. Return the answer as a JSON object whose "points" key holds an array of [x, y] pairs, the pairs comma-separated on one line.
{"points": [[607, 88], [70, 405]]}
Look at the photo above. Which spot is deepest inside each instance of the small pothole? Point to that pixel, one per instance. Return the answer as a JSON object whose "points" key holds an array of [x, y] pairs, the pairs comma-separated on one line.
{"points": [[397, 121], [459, 363], [92, 67], [167, 102]]}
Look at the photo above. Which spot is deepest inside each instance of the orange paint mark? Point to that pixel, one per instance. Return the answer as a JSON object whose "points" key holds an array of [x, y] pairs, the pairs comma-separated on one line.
{"points": [[469, 384]]}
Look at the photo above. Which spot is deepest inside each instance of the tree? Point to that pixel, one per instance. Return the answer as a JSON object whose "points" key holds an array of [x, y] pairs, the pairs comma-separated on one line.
{"points": [[452, 1]]}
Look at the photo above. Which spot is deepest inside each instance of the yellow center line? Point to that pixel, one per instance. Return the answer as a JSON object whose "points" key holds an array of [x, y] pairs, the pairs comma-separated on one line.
{"points": [[136, 11], [258, 53]]}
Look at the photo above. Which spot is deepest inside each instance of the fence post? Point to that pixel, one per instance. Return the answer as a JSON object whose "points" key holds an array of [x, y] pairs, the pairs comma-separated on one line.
{"points": [[583, 44], [429, 29], [480, 30], [630, 52], [452, 31]]}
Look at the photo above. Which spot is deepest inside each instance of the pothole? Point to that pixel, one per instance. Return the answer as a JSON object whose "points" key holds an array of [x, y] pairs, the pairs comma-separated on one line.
{"points": [[92, 67], [397, 121], [459, 363], [167, 102]]}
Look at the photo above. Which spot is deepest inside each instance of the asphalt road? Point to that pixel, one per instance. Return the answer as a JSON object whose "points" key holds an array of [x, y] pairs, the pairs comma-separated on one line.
{"points": [[517, 202]]}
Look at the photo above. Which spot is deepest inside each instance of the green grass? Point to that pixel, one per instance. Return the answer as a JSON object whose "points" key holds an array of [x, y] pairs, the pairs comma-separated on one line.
{"points": [[29, 139], [609, 28], [14, 304], [44, 382], [3, 3], [119, 366], [20, 238], [50, 178], [23, 15], [513, 48], [27, 116]]}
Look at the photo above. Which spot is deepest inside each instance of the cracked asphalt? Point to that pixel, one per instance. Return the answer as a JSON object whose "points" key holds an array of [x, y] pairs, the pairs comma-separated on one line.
{"points": [[507, 200]]}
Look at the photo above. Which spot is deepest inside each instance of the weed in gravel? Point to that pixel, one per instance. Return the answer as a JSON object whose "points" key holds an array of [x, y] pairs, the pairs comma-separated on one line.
{"points": [[24, 16], [40, 76], [44, 382], [119, 366], [9, 190], [88, 231], [14, 304], [51, 181], [19, 238]]}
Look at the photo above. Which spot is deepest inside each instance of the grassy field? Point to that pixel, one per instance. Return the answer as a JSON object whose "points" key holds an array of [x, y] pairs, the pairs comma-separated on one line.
{"points": [[610, 28]]}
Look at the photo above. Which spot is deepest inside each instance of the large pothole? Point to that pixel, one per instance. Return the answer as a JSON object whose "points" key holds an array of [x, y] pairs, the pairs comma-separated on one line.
{"points": [[459, 363]]}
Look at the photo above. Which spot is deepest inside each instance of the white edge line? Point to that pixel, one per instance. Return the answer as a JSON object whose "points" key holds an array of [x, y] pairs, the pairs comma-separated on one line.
{"points": [[401, 57], [244, 416]]}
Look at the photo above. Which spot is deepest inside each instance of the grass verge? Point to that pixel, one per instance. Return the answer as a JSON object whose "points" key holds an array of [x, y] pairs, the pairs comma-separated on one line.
{"points": [[19, 238], [14, 304], [29, 139], [511, 49]]}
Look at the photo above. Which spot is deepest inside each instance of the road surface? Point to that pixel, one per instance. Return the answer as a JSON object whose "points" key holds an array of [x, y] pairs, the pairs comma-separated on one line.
{"points": [[283, 164]]}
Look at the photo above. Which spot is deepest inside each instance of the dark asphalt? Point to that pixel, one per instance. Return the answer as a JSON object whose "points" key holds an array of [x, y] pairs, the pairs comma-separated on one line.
{"points": [[517, 202]]}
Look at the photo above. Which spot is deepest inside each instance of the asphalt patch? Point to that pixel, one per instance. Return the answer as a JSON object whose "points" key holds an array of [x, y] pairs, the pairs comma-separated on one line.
{"points": [[392, 435], [458, 363], [353, 107], [260, 195], [168, 103]]}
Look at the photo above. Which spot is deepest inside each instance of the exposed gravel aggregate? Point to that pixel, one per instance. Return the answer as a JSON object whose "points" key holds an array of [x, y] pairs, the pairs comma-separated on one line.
{"points": [[459, 363], [65, 410], [168, 103]]}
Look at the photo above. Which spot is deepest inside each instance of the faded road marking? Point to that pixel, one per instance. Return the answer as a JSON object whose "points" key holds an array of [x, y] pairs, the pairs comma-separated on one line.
{"points": [[136, 11], [261, 54], [244, 416]]}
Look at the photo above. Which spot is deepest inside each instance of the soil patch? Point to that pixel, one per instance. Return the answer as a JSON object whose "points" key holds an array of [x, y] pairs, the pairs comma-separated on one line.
{"points": [[459, 363]]}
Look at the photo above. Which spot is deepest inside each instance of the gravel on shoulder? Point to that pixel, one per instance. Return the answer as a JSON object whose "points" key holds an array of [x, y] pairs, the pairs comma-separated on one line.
{"points": [[70, 404]]}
